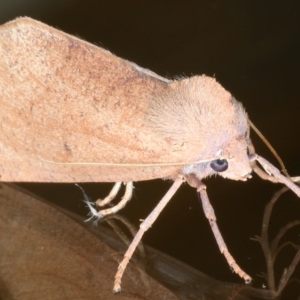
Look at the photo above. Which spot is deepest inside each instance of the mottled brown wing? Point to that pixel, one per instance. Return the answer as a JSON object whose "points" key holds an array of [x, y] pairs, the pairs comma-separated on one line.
{"points": [[67, 101]]}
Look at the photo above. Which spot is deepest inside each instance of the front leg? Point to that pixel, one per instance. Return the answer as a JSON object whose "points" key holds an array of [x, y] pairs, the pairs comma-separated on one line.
{"points": [[210, 215]]}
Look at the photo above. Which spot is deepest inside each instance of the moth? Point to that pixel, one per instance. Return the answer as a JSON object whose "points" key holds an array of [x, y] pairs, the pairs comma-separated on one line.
{"points": [[74, 112]]}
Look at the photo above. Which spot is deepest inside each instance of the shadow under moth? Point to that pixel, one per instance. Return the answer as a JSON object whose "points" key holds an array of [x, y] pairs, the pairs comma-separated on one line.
{"points": [[74, 112]]}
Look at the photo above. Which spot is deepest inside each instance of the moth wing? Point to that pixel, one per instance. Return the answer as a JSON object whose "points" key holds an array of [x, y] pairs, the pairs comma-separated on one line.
{"points": [[66, 101]]}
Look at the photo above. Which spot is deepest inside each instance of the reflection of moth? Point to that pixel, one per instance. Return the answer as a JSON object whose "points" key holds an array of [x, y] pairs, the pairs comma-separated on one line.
{"points": [[73, 112]]}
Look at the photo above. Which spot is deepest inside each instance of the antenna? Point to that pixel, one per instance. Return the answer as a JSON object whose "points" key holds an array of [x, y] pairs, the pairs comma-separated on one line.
{"points": [[270, 148]]}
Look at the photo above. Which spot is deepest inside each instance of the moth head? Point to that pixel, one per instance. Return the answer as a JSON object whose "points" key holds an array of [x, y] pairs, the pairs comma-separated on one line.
{"points": [[234, 163], [212, 125], [231, 161], [227, 154], [216, 128]]}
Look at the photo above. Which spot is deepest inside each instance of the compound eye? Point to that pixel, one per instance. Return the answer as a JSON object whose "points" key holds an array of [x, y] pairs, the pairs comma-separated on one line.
{"points": [[219, 165]]}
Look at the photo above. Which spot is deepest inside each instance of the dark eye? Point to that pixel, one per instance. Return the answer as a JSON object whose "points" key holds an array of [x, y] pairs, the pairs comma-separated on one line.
{"points": [[219, 165]]}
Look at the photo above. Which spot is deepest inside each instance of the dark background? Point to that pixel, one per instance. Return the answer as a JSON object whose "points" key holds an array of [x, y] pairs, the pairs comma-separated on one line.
{"points": [[252, 48]]}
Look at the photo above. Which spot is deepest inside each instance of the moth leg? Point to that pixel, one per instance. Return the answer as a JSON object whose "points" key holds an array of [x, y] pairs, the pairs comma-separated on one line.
{"points": [[123, 237], [210, 215], [144, 226], [111, 196], [127, 196], [269, 172], [260, 172], [272, 174], [252, 158]]}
